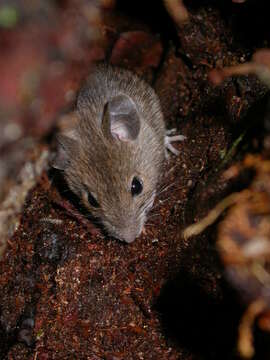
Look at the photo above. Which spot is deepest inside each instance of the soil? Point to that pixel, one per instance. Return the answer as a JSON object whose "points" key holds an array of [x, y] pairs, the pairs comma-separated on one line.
{"points": [[67, 291]]}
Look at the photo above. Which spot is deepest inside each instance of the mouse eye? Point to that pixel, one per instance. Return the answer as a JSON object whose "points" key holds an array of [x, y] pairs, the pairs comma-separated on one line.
{"points": [[136, 186], [92, 201]]}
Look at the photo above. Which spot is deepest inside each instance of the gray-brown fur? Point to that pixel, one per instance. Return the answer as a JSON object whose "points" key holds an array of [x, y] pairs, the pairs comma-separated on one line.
{"points": [[94, 161]]}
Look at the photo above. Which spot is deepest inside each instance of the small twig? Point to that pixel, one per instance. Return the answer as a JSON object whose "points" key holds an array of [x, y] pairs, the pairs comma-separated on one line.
{"points": [[177, 11], [200, 226], [259, 65], [51, 221], [217, 76]]}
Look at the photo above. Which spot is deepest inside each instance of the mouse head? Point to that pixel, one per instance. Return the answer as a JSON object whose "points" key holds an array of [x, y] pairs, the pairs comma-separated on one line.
{"points": [[112, 161]]}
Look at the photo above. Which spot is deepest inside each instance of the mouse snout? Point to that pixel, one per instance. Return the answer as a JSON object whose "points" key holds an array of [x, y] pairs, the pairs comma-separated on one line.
{"points": [[125, 227], [128, 235], [131, 229]]}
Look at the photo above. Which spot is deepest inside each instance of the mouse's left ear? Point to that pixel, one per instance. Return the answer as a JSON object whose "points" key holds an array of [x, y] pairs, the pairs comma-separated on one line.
{"points": [[121, 119]]}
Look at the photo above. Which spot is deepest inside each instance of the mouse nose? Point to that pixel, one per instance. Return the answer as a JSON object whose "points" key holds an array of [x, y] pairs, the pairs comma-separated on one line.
{"points": [[129, 235]]}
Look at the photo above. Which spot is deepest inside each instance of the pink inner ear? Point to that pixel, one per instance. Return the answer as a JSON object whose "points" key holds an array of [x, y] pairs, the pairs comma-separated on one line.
{"points": [[120, 131], [121, 119]]}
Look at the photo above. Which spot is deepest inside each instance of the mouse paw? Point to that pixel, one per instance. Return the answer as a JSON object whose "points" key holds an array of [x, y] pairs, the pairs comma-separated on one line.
{"points": [[169, 140]]}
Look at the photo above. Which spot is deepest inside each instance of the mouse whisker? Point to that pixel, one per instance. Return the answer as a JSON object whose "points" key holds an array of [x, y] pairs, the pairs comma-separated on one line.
{"points": [[164, 200], [152, 216], [170, 170], [148, 223], [173, 190], [160, 203], [165, 188]]}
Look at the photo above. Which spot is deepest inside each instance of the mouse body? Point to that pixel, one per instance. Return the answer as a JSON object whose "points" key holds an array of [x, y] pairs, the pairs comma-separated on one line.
{"points": [[112, 158]]}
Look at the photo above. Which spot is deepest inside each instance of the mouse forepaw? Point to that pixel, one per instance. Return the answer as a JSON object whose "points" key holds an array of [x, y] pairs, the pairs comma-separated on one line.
{"points": [[169, 140]]}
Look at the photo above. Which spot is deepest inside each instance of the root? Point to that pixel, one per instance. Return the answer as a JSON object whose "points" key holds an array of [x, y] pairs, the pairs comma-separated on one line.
{"points": [[212, 216], [245, 339]]}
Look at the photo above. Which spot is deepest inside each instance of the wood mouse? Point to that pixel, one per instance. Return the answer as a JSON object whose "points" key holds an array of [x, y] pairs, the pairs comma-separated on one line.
{"points": [[113, 156]]}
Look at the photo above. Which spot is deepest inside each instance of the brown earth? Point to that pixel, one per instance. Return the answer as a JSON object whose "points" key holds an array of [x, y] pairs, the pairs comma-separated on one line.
{"points": [[66, 290]]}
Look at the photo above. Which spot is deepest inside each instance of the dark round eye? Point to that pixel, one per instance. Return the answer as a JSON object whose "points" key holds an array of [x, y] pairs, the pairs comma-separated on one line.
{"points": [[136, 186], [92, 201]]}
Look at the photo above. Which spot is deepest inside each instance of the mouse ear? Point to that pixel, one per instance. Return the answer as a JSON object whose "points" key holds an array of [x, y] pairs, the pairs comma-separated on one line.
{"points": [[65, 148], [121, 119]]}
